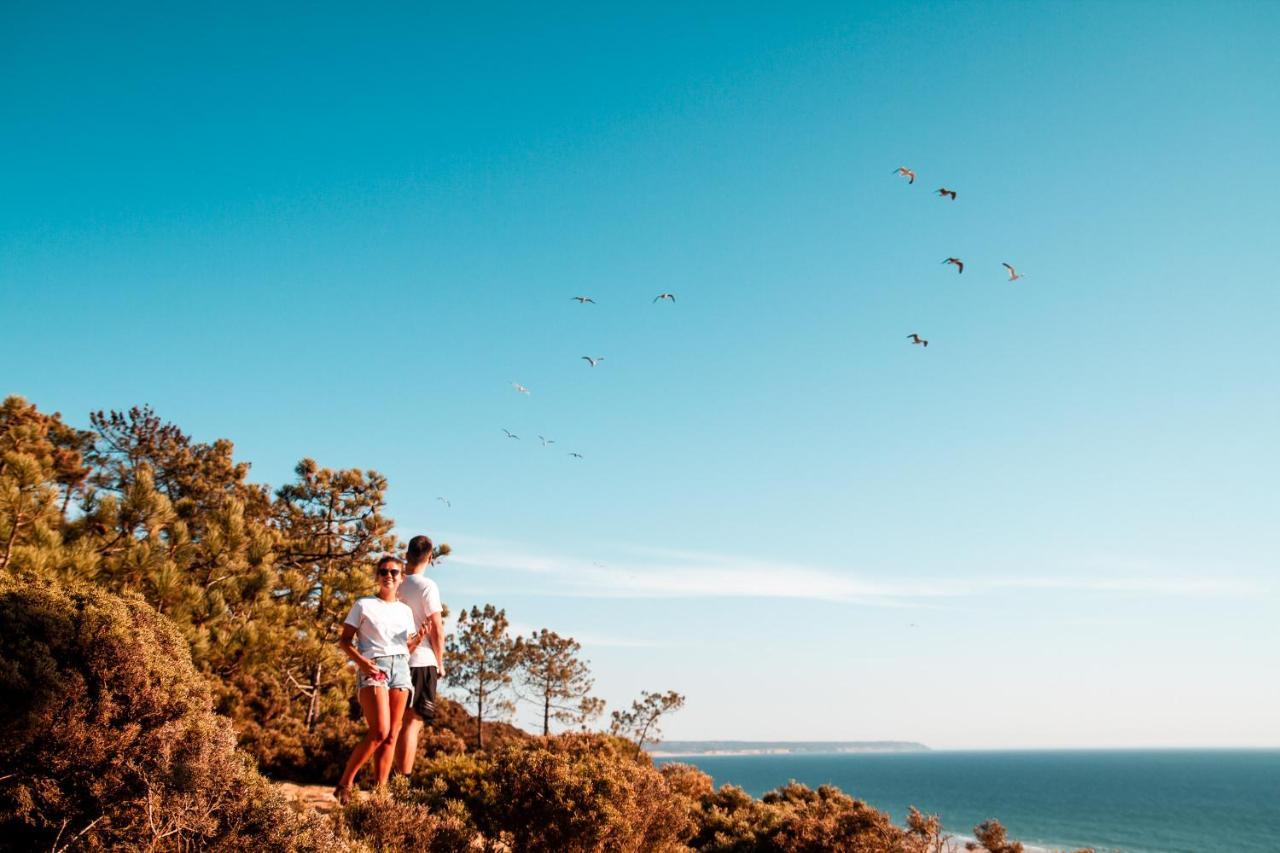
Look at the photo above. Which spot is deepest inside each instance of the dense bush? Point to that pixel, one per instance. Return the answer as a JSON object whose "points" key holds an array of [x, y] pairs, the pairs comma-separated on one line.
{"points": [[393, 820], [797, 819], [574, 792], [584, 792], [687, 781], [581, 793], [108, 736], [825, 819]]}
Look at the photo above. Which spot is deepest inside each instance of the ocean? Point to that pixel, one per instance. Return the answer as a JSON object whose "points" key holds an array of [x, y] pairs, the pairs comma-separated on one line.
{"points": [[1117, 801]]}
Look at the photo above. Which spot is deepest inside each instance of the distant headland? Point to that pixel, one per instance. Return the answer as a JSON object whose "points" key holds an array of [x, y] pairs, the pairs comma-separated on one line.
{"points": [[675, 748]]}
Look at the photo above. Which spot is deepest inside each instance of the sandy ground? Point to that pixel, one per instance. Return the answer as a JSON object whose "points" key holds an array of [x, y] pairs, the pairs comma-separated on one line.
{"points": [[302, 797]]}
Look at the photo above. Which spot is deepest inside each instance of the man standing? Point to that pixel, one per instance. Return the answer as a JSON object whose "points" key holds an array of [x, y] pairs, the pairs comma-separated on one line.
{"points": [[426, 662]]}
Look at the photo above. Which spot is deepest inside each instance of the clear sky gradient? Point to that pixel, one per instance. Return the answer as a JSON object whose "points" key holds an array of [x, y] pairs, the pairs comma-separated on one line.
{"points": [[343, 233]]}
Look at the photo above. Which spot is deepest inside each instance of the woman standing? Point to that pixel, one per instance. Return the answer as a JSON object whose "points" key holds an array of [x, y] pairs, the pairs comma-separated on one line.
{"points": [[386, 637]]}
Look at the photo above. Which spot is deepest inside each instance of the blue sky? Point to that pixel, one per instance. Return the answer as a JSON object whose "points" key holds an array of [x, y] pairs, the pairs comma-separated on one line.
{"points": [[342, 233]]}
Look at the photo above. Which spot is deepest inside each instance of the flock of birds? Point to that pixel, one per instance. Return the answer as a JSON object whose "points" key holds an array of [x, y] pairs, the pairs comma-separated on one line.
{"points": [[944, 192], [594, 360], [591, 360]]}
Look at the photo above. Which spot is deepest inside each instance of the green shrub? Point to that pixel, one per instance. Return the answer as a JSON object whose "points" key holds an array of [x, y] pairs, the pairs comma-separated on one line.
{"points": [[463, 778], [109, 739], [798, 819], [580, 792], [392, 820], [993, 839], [685, 780], [732, 821], [829, 819], [572, 793], [269, 730]]}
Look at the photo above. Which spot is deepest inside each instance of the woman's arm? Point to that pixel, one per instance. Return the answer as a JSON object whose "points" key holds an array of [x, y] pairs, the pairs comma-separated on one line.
{"points": [[366, 666], [415, 640]]}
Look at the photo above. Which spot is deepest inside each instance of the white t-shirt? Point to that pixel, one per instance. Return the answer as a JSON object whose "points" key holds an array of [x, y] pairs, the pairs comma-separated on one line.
{"points": [[384, 627], [423, 597]]}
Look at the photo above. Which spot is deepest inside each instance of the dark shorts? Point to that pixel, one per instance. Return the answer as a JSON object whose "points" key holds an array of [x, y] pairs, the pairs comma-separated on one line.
{"points": [[423, 679]]}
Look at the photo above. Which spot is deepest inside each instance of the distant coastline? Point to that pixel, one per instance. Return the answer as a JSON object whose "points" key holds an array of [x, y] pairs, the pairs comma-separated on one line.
{"points": [[683, 748]]}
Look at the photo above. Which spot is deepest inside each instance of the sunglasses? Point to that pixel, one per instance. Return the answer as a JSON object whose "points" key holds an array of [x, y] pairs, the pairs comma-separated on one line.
{"points": [[388, 573]]}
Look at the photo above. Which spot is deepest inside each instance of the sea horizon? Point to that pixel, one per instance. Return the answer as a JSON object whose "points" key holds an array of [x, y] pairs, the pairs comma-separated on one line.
{"points": [[658, 751], [1143, 800]]}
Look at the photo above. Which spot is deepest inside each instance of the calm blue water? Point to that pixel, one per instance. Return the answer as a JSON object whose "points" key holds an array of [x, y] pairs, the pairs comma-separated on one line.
{"points": [[1175, 801]]}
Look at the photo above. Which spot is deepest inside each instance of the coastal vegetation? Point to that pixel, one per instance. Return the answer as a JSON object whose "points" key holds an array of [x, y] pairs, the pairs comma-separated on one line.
{"points": [[169, 631]]}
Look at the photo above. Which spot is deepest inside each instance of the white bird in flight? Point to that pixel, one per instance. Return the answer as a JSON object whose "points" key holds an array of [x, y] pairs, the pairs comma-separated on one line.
{"points": [[583, 300], [593, 361], [669, 296], [916, 339], [1014, 275], [906, 173], [510, 434], [520, 388], [575, 455], [444, 501], [546, 441]]}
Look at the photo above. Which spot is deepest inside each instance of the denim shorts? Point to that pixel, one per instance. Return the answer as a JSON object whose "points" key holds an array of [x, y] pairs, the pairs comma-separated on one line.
{"points": [[396, 670]]}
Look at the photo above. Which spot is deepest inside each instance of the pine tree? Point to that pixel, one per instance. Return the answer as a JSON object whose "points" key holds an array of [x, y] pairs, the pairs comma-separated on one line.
{"points": [[640, 721], [41, 466], [332, 528], [551, 675], [481, 662], [177, 521]]}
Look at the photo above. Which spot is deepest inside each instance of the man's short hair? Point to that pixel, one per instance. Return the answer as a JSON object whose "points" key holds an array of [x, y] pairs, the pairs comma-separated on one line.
{"points": [[420, 548]]}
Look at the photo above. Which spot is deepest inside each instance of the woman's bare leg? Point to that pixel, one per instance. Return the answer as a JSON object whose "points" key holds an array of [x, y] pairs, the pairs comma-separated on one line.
{"points": [[377, 713], [387, 749]]}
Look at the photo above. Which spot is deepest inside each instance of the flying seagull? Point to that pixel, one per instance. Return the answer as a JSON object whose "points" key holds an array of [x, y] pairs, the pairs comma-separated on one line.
{"points": [[959, 264], [593, 361], [546, 441], [583, 300], [575, 455], [1014, 275], [670, 296], [906, 173], [916, 339], [444, 501], [943, 192], [509, 433], [520, 388]]}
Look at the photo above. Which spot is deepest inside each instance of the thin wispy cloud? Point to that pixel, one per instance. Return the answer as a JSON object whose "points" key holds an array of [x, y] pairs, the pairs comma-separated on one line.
{"points": [[588, 639], [662, 573]]}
